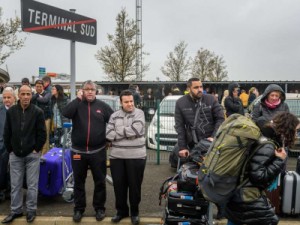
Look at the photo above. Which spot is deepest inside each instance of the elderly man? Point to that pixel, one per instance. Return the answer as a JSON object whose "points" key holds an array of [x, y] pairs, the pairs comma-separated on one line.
{"points": [[89, 116], [24, 137], [8, 101]]}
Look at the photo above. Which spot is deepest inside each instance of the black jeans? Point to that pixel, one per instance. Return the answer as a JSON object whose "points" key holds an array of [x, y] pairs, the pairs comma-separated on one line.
{"points": [[97, 163], [127, 175]]}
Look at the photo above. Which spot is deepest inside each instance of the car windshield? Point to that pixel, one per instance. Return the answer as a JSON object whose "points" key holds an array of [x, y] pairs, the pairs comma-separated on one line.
{"points": [[168, 108]]}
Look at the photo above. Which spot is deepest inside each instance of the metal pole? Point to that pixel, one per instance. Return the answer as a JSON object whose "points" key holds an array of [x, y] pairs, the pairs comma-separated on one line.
{"points": [[73, 66], [158, 132]]}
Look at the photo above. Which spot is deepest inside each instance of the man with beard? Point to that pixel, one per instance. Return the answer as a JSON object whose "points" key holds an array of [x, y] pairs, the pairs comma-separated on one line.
{"points": [[197, 115]]}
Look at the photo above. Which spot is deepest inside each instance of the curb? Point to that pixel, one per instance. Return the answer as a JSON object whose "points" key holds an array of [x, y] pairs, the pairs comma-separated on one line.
{"points": [[46, 220]]}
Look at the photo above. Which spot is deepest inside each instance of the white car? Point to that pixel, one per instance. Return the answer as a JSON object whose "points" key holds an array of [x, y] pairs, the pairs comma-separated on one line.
{"points": [[161, 129]]}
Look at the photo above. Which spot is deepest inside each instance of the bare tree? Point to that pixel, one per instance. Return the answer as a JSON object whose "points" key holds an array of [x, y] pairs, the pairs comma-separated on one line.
{"points": [[118, 59], [219, 72], [203, 64], [177, 66], [9, 41]]}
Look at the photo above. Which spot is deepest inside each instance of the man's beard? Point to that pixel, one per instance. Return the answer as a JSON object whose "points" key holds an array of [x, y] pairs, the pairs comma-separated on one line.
{"points": [[198, 96]]}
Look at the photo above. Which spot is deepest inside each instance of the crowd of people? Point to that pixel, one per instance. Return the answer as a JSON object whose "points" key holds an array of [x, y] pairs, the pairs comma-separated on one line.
{"points": [[36, 119]]}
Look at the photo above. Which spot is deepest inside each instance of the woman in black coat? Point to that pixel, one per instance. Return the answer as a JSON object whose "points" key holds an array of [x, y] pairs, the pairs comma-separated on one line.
{"points": [[250, 205]]}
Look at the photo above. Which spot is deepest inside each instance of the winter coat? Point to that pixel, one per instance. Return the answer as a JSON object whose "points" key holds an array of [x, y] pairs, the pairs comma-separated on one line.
{"points": [[249, 205], [43, 101], [261, 110], [24, 130], [89, 121], [2, 123], [233, 104], [211, 114]]}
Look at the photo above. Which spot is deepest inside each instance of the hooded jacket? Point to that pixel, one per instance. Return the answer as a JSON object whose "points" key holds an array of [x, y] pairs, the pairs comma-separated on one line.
{"points": [[261, 110], [233, 104]]}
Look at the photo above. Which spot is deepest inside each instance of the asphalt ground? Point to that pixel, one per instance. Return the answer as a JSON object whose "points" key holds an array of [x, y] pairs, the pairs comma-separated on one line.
{"points": [[150, 211]]}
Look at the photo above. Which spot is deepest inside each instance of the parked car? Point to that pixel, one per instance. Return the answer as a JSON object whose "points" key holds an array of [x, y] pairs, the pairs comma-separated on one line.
{"points": [[164, 129], [112, 100], [293, 101]]}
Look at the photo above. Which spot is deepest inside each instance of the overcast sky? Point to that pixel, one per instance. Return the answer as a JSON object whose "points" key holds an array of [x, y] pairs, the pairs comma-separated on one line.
{"points": [[258, 39]]}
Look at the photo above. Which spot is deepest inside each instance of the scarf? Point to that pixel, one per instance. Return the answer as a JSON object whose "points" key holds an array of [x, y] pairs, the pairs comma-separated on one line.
{"points": [[272, 105]]}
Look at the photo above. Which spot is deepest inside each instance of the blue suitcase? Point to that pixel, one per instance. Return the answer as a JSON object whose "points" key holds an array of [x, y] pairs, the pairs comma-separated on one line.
{"points": [[51, 180]]}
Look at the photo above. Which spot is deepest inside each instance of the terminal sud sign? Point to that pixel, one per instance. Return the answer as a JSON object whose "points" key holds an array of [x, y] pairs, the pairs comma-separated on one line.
{"points": [[51, 21]]}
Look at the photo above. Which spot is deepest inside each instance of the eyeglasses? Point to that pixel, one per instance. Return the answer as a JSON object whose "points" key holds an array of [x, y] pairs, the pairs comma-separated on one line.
{"points": [[90, 89]]}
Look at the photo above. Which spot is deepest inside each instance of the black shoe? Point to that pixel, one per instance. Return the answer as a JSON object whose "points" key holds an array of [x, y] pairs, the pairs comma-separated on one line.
{"points": [[100, 215], [135, 220], [30, 217], [77, 216], [11, 217], [117, 218]]}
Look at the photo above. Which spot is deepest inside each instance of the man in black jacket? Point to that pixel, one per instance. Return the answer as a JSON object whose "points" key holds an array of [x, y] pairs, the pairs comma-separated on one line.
{"points": [[89, 117], [24, 137], [204, 125]]}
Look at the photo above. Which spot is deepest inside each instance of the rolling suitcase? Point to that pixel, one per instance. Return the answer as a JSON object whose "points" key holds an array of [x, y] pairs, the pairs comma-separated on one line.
{"points": [[275, 196], [51, 181], [291, 193]]}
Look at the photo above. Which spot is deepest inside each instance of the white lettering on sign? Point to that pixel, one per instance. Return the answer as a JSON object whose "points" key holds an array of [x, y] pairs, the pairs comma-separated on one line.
{"points": [[44, 19], [87, 30]]}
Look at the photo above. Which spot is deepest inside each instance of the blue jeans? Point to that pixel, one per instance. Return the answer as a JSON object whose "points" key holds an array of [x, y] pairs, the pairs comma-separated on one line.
{"points": [[18, 165]]}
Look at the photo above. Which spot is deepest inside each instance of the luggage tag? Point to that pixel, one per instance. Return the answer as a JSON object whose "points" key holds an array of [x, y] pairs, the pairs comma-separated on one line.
{"points": [[76, 157]]}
